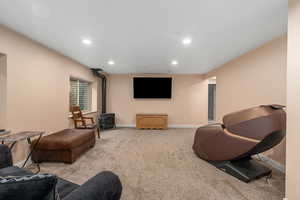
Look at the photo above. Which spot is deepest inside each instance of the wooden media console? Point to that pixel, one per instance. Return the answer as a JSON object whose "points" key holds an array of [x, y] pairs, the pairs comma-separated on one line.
{"points": [[152, 121]]}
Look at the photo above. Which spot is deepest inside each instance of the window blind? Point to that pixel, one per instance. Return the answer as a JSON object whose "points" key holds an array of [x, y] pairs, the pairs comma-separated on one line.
{"points": [[84, 95], [80, 94]]}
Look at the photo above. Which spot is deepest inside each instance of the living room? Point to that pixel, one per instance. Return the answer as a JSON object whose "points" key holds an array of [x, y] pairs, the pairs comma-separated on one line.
{"points": [[156, 86]]}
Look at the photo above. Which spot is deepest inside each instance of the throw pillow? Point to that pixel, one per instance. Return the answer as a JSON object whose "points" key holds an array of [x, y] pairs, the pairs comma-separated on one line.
{"points": [[31, 187]]}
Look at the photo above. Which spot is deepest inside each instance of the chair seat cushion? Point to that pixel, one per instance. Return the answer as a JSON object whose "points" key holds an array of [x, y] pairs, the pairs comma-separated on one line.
{"points": [[66, 139], [88, 126]]}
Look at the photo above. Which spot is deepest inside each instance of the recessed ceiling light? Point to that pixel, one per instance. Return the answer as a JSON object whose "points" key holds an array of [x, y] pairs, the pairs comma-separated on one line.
{"points": [[174, 63], [111, 62], [186, 41], [86, 41]]}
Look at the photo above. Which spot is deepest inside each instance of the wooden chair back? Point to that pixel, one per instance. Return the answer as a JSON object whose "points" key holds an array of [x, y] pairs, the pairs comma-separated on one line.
{"points": [[77, 116], [79, 120]]}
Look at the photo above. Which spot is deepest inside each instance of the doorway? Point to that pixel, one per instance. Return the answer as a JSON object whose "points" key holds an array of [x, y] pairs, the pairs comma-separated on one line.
{"points": [[212, 87]]}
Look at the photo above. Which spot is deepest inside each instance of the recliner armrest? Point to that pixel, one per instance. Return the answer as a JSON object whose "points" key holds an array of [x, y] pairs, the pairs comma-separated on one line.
{"points": [[214, 124], [5, 156], [104, 186]]}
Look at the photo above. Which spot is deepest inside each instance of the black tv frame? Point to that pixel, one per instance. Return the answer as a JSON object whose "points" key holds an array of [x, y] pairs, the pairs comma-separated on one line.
{"points": [[135, 96]]}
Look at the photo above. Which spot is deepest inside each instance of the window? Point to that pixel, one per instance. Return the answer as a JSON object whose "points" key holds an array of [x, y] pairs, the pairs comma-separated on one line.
{"points": [[80, 94]]}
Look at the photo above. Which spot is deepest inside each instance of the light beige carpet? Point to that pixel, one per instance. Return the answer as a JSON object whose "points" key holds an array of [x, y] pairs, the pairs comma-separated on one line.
{"points": [[160, 165]]}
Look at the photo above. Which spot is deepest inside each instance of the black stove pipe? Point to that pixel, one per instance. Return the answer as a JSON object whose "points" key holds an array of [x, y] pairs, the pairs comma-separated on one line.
{"points": [[98, 73]]}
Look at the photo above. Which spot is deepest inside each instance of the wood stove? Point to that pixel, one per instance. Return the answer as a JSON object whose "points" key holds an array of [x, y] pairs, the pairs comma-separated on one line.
{"points": [[107, 121]]}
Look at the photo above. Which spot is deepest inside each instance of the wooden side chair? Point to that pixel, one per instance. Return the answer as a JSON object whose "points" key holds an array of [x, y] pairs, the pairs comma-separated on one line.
{"points": [[81, 122]]}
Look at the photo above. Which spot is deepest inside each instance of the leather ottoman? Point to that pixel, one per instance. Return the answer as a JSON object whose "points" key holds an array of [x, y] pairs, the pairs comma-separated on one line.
{"points": [[64, 146]]}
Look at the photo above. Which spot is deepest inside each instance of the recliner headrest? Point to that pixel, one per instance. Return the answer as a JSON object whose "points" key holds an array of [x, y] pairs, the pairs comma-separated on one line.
{"points": [[256, 122]]}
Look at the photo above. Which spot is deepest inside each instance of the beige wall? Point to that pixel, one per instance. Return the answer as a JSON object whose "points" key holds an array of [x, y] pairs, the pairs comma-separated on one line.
{"points": [[293, 107], [38, 85], [38, 88], [256, 78], [188, 105], [2, 91]]}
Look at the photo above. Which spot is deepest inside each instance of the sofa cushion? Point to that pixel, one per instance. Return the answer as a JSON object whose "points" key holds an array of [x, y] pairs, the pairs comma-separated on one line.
{"points": [[29, 187], [63, 186], [6, 157], [65, 139], [14, 171]]}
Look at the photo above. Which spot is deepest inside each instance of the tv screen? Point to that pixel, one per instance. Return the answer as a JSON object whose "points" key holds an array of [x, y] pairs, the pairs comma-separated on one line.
{"points": [[149, 87]]}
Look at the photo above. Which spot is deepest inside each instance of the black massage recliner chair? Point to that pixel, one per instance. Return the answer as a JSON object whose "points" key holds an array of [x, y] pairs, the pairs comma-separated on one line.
{"points": [[229, 146]]}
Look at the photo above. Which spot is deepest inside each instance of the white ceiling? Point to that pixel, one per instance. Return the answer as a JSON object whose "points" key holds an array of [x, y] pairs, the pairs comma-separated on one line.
{"points": [[144, 36]]}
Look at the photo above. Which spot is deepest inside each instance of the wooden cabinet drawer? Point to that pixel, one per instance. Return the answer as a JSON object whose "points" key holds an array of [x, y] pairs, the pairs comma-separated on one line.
{"points": [[152, 121]]}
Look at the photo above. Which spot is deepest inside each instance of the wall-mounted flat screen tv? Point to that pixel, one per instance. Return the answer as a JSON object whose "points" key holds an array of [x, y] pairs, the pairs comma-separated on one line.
{"points": [[152, 88]]}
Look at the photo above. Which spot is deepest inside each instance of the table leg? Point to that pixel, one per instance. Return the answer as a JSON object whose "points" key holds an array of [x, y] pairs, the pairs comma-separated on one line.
{"points": [[32, 149], [12, 145]]}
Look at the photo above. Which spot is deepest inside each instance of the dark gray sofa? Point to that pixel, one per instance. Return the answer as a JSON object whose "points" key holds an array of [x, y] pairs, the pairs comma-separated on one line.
{"points": [[104, 186]]}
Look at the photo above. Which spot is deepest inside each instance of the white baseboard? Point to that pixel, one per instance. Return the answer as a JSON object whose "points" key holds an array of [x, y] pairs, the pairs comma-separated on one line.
{"points": [[169, 126], [184, 126], [125, 125], [273, 163]]}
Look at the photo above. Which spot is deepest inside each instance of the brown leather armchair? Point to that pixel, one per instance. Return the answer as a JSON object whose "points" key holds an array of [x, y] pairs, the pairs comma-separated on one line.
{"points": [[229, 146]]}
